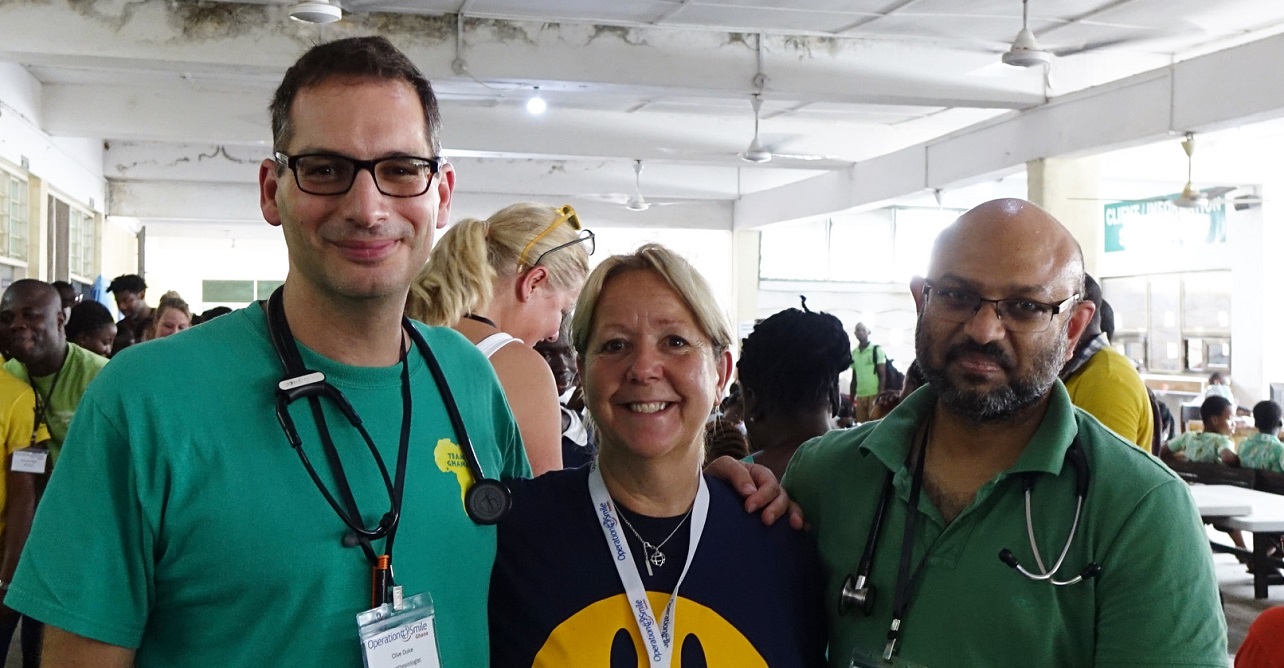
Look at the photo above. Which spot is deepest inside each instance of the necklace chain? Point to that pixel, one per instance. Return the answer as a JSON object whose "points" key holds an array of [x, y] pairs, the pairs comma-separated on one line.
{"points": [[651, 553]]}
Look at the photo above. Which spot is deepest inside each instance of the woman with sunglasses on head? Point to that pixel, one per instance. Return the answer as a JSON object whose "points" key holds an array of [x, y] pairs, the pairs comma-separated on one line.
{"points": [[511, 279]]}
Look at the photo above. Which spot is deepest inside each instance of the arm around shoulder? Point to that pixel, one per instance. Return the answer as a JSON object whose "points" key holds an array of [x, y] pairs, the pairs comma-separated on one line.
{"points": [[531, 392]]}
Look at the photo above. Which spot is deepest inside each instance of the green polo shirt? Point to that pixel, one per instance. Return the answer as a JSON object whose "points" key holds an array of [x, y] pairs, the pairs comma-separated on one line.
{"points": [[1154, 603]]}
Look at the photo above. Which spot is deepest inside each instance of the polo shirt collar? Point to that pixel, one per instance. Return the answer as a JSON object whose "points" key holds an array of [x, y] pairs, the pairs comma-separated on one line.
{"points": [[889, 440]]}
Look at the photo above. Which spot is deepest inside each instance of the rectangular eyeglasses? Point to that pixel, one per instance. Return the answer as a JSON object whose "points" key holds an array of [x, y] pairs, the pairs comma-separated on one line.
{"points": [[331, 174], [1017, 315]]}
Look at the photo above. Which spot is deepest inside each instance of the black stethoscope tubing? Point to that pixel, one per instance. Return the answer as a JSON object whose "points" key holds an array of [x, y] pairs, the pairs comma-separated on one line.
{"points": [[856, 592], [301, 382]]}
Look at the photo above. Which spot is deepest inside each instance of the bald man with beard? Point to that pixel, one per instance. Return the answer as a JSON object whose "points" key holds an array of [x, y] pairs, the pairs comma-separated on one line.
{"points": [[990, 442]]}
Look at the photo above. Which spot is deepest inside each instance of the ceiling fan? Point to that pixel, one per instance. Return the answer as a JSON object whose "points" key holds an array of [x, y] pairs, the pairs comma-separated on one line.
{"points": [[758, 152], [1192, 198], [633, 201], [1189, 197], [1025, 50]]}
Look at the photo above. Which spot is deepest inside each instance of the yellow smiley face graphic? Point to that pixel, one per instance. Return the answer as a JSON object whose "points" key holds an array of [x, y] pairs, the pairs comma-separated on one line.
{"points": [[586, 639]]}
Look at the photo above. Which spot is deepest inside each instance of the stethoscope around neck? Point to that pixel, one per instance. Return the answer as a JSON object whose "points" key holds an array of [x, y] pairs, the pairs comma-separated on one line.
{"points": [[486, 501], [858, 594]]}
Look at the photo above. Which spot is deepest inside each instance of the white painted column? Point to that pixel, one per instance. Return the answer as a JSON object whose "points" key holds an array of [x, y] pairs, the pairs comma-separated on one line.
{"points": [[1257, 319], [1067, 189], [744, 281]]}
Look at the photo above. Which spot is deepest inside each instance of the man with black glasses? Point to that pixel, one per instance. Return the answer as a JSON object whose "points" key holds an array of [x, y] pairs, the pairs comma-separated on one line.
{"points": [[230, 497], [986, 521]]}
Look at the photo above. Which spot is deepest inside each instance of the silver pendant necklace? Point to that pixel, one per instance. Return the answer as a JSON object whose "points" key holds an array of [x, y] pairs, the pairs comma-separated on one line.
{"points": [[651, 553]]}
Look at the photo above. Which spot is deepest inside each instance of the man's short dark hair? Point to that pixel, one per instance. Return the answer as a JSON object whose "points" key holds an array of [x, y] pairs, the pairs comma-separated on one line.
{"points": [[128, 283], [1214, 406], [214, 313], [1107, 319], [355, 57]]}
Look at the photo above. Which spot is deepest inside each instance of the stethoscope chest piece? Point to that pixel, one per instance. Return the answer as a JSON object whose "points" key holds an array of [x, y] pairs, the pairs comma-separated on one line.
{"points": [[487, 501], [856, 595]]}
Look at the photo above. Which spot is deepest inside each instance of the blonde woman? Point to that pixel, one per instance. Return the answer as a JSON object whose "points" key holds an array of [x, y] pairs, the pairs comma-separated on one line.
{"points": [[171, 316], [506, 283]]}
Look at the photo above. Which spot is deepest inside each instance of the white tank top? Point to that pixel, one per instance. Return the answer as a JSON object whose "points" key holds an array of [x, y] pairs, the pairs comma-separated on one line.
{"points": [[489, 345]]}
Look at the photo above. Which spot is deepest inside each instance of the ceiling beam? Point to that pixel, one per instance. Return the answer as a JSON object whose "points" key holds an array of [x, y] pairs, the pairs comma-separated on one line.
{"points": [[204, 39], [1211, 92]]}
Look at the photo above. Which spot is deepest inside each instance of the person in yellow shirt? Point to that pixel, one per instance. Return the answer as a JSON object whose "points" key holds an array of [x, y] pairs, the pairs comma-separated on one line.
{"points": [[18, 432], [1105, 384]]}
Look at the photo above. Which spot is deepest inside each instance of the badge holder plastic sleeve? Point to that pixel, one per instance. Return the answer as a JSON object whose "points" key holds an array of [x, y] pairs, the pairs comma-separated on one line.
{"points": [[400, 633], [866, 659]]}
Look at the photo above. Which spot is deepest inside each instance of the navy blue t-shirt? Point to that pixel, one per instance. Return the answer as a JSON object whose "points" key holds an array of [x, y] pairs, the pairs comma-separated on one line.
{"points": [[752, 597]]}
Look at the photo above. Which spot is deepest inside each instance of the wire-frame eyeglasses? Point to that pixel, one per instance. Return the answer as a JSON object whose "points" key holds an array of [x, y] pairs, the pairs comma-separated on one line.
{"points": [[565, 214], [1017, 315], [331, 174]]}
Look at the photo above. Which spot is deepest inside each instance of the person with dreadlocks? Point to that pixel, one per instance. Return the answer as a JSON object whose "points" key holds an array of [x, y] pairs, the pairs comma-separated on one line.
{"points": [[789, 370]]}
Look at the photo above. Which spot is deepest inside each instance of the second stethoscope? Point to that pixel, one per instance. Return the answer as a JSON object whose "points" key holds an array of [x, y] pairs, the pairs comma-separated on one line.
{"points": [[857, 592]]}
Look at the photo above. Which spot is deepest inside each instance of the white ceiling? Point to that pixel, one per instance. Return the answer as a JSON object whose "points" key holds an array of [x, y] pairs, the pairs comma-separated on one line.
{"points": [[664, 81]]}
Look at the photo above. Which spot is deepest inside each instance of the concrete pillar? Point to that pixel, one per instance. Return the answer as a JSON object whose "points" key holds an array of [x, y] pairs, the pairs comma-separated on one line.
{"points": [[1067, 188], [744, 280], [1256, 237]]}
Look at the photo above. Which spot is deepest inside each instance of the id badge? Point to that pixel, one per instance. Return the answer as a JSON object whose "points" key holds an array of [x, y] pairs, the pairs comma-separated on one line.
{"points": [[400, 637], [865, 659], [30, 460]]}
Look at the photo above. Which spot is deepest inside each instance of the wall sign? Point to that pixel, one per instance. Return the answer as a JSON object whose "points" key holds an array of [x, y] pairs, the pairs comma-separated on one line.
{"points": [[1157, 224]]}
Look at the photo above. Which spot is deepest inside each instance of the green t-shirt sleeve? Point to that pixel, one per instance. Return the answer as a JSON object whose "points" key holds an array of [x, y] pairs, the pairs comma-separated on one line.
{"points": [[880, 357], [1178, 444], [88, 564], [1163, 564]]}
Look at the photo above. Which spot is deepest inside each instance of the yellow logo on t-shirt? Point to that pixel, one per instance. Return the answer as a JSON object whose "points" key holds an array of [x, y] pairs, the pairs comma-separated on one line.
{"points": [[450, 459], [585, 640]]}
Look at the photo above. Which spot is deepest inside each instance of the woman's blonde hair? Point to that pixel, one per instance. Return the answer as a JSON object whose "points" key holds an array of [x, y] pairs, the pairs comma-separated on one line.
{"points": [[474, 254], [169, 301], [676, 271]]}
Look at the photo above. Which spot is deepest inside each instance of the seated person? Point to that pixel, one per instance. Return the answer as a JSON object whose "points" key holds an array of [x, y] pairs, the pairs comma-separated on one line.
{"points": [[1264, 450], [1211, 445]]}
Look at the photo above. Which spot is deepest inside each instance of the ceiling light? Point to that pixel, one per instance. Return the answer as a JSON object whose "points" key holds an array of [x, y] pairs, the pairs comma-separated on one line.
{"points": [[536, 104], [316, 12]]}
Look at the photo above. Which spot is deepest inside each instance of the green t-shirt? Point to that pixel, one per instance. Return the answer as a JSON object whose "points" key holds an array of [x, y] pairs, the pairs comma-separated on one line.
{"points": [[1154, 603], [1262, 451], [865, 368], [1201, 446], [200, 539], [78, 370]]}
